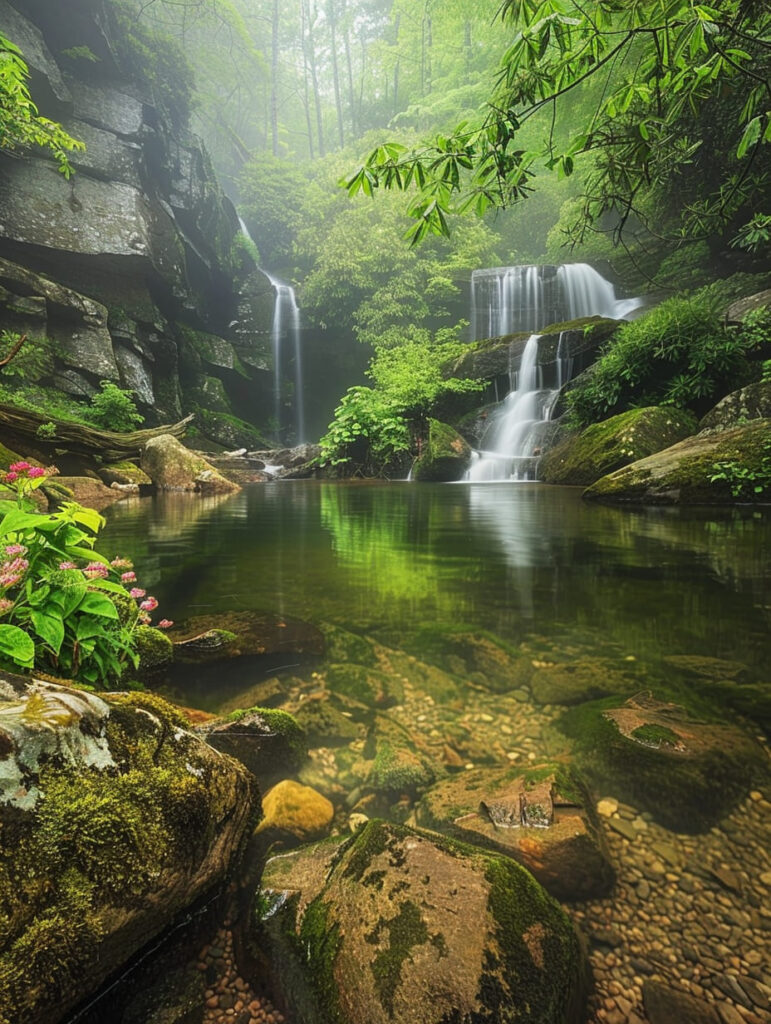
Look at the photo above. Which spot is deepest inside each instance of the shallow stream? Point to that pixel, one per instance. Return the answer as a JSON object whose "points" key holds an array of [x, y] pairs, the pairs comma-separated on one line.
{"points": [[649, 594]]}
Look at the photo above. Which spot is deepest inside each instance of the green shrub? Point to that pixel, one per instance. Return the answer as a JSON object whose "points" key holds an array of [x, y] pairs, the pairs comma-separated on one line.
{"points": [[114, 409], [63, 607], [368, 431], [745, 482], [677, 354]]}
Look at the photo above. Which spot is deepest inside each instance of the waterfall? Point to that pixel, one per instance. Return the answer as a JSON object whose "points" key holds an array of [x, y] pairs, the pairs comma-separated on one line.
{"points": [[509, 299], [286, 324], [505, 300]]}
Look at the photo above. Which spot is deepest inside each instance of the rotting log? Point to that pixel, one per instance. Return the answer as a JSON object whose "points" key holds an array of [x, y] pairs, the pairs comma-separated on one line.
{"points": [[80, 439]]}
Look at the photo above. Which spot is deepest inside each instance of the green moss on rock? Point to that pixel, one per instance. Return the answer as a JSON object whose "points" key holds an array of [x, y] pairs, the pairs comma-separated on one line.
{"points": [[370, 686], [445, 455], [153, 647], [604, 447], [683, 473]]}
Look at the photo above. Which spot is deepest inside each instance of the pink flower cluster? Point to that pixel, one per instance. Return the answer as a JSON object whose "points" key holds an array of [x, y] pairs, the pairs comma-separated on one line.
{"points": [[12, 571], [5, 605], [96, 571], [20, 469]]}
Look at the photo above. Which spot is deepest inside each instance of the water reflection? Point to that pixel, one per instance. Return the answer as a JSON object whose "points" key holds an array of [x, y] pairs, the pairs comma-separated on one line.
{"points": [[511, 559]]}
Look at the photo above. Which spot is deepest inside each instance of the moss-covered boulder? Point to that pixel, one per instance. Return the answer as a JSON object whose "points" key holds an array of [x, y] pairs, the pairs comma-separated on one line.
{"points": [[153, 647], [472, 654], [340, 645], [586, 456], [292, 811], [750, 403], [172, 467], [208, 638], [577, 681], [709, 469], [445, 455], [370, 686], [268, 741], [393, 926], [728, 683], [542, 818], [398, 766], [124, 473], [688, 771], [326, 725], [89, 492], [113, 819]]}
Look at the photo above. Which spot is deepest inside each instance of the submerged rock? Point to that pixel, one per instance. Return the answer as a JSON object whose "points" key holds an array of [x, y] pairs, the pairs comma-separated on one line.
{"points": [[293, 810], [393, 926], [172, 467], [474, 655], [542, 818], [268, 741], [579, 681], [687, 771], [445, 456], [113, 818], [604, 447], [683, 473], [206, 638], [370, 686]]}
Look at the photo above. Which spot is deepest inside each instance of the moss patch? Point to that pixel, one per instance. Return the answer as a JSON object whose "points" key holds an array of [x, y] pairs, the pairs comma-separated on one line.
{"points": [[406, 930], [616, 442], [445, 454]]}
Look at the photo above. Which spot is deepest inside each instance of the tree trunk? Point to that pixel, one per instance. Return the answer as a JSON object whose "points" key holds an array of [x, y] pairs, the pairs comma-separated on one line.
{"points": [[332, 19], [274, 79], [315, 80], [349, 65], [306, 96]]}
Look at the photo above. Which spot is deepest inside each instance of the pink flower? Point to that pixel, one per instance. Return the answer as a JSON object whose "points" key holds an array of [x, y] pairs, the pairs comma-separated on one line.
{"points": [[36, 472], [18, 565], [149, 605], [144, 618], [96, 571], [121, 563], [165, 624], [5, 605], [8, 579], [137, 592], [10, 477], [19, 467], [128, 577], [67, 565], [15, 549]]}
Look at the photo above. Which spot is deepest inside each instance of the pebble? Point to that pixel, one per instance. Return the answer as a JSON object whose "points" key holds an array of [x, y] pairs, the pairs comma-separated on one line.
{"points": [[607, 807]]}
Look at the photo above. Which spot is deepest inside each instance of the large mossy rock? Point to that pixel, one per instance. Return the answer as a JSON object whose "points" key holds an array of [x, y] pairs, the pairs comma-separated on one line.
{"points": [[113, 819], [172, 467], [750, 403], [682, 474], [445, 456], [268, 741], [202, 639], [370, 686], [472, 654], [688, 771], [494, 357], [542, 818], [295, 812], [605, 447], [398, 927]]}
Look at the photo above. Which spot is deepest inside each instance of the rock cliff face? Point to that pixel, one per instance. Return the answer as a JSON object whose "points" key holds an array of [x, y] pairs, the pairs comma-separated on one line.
{"points": [[134, 270]]}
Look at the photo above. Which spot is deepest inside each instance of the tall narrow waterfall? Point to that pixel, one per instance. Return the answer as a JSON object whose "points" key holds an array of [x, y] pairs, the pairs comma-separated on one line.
{"points": [[285, 325], [507, 300]]}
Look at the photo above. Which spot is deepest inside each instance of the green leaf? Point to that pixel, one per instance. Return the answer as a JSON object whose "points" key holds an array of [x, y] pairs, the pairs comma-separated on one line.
{"points": [[17, 645], [49, 628], [97, 604], [750, 136]]}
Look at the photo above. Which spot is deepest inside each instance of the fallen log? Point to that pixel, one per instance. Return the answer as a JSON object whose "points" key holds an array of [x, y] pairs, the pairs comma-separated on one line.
{"points": [[80, 439]]}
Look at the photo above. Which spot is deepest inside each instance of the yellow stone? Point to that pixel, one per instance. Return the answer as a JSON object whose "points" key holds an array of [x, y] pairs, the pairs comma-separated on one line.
{"points": [[297, 809]]}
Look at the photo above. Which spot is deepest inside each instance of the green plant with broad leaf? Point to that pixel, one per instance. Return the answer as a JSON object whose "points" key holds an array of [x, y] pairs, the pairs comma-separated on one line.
{"points": [[64, 608]]}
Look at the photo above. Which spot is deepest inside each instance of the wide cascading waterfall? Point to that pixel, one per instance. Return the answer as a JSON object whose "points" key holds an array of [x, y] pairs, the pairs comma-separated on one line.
{"points": [[286, 324], [507, 300]]}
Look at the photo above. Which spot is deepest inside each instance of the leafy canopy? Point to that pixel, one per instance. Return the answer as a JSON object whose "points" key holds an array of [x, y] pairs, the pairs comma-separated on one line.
{"points": [[657, 65], [21, 126]]}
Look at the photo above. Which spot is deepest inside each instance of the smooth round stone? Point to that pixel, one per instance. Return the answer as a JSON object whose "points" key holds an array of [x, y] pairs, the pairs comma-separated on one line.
{"points": [[607, 807]]}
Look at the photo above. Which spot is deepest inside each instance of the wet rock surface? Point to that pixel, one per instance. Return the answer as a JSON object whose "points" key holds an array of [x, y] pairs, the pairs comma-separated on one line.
{"points": [[377, 929]]}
